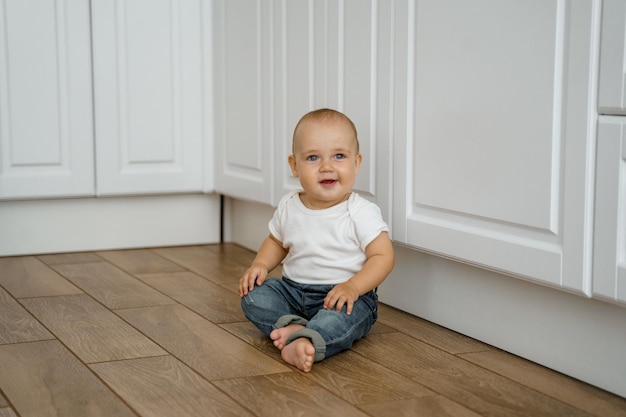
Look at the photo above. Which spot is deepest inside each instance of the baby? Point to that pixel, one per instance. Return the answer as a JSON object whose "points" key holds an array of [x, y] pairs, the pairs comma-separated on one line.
{"points": [[335, 246]]}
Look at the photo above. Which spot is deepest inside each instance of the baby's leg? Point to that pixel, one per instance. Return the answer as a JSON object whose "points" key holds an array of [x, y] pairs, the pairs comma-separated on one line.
{"points": [[280, 336], [266, 303], [299, 353], [340, 330]]}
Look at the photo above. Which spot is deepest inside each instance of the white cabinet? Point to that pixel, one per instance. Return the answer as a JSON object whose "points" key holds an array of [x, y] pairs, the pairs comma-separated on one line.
{"points": [[612, 89], [46, 127], [497, 162], [609, 268], [151, 97], [148, 104], [275, 61]]}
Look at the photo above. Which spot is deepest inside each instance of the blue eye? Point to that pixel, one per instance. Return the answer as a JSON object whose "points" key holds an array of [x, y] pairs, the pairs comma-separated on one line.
{"points": [[340, 156], [312, 158]]}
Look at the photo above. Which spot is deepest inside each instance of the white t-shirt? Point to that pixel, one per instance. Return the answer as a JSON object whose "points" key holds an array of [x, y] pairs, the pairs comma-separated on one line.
{"points": [[325, 246]]}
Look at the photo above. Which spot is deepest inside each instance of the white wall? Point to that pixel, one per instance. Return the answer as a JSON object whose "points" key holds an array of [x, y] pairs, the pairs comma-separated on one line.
{"points": [[579, 337], [245, 222]]}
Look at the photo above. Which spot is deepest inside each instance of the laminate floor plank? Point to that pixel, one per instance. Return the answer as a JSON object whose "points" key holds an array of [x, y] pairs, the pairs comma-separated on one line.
{"points": [[379, 328], [233, 252], [432, 406], [7, 412], [91, 331], [359, 380], [163, 386], [564, 388], [210, 350], [428, 332], [212, 264], [472, 386], [247, 332], [241, 256], [204, 262], [45, 379], [140, 261], [232, 287], [17, 325], [201, 295], [70, 258], [287, 394], [111, 286], [27, 276]]}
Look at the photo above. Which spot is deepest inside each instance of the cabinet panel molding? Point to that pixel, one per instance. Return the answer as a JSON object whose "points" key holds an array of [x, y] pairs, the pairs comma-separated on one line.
{"points": [[149, 96], [499, 159], [612, 90], [609, 268], [46, 128]]}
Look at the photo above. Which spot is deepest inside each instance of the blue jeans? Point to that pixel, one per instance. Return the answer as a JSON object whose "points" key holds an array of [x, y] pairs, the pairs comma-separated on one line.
{"points": [[279, 302]]}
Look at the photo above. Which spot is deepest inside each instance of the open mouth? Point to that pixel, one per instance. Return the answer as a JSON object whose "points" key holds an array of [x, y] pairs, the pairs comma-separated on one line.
{"points": [[328, 182]]}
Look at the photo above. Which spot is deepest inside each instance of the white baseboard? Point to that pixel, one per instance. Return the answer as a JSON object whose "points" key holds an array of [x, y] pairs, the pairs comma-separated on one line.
{"points": [[86, 224]]}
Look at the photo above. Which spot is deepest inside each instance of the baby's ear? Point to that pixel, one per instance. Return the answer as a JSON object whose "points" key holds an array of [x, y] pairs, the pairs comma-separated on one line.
{"points": [[292, 164], [359, 159]]}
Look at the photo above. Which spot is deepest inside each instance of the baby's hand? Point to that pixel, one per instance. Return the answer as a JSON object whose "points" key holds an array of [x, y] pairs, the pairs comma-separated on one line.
{"points": [[254, 274], [344, 293]]}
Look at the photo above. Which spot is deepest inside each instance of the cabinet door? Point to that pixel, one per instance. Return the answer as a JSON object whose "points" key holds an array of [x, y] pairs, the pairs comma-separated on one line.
{"points": [[149, 84], [46, 129], [340, 54], [275, 61], [497, 165], [243, 99], [609, 249], [612, 94]]}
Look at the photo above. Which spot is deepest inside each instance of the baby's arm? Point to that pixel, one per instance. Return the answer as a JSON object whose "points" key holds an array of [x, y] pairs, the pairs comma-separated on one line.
{"points": [[378, 265], [270, 254]]}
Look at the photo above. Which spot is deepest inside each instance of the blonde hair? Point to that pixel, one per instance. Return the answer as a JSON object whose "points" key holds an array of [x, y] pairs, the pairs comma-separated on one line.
{"points": [[322, 115]]}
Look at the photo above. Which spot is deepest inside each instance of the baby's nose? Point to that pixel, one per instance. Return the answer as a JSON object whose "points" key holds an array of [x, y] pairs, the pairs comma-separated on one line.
{"points": [[326, 165]]}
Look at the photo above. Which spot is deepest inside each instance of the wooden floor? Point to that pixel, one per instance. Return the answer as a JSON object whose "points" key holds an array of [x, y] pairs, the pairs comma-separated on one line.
{"points": [[160, 332]]}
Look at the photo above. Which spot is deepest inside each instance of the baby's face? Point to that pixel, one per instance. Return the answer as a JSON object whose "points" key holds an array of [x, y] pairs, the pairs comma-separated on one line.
{"points": [[326, 161]]}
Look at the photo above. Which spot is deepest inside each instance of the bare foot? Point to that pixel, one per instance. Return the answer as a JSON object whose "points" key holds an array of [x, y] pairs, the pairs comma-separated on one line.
{"points": [[299, 353], [280, 336]]}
